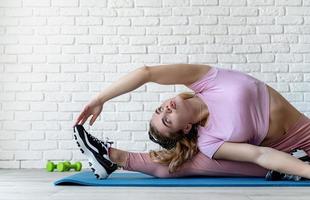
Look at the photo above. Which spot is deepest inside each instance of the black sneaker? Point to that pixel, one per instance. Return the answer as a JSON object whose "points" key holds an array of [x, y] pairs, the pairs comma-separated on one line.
{"points": [[276, 176], [96, 152]]}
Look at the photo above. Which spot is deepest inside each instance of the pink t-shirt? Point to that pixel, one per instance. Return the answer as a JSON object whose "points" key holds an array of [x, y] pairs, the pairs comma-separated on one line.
{"points": [[239, 109]]}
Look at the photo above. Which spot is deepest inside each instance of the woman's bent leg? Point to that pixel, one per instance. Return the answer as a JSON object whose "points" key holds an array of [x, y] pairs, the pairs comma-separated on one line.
{"points": [[199, 165]]}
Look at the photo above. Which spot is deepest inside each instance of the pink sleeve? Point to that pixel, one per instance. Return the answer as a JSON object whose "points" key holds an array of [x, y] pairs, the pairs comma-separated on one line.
{"points": [[204, 82], [208, 145]]}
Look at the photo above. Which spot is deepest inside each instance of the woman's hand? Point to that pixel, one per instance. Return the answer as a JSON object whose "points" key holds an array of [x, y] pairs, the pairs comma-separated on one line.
{"points": [[94, 108]]}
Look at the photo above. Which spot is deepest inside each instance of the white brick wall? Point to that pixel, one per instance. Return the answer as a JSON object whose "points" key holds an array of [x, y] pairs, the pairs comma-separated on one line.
{"points": [[56, 54]]}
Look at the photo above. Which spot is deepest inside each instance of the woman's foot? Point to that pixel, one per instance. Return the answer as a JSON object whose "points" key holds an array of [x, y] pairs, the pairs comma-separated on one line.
{"points": [[96, 152]]}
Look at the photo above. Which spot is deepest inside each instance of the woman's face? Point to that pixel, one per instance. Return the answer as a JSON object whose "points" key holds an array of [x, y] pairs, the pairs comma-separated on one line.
{"points": [[171, 116]]}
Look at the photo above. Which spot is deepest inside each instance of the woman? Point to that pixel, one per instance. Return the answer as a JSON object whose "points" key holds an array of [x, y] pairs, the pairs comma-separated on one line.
{"points": [[234, 125]]}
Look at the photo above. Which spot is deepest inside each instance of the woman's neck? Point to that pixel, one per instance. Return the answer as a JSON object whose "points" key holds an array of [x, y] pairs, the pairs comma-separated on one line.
{"points": [[201, 111]]}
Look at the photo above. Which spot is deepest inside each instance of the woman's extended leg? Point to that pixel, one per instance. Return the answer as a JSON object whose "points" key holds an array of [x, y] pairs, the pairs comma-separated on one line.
{"points": [[297, 137], [199, 165]]}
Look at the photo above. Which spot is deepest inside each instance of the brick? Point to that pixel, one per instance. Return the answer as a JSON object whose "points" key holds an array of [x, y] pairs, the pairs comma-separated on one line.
{"points": [[34, 3], [155, 12], [37, 59], [289, 20], [28, 116], [22, 87], [62, 59], [105, 12], [271, 11], [246, 49], [32, 164], [33, 21], [33, 77], [172, 3], [273, 29], [214, 30], [45, 125], [158, 31], [10, 4], [262, 20], [288, 2], [131, 31], [10, 164], [264, 58], [74, 30], [114, 21], [30, 135], [193, 49], [88, 21], [60, 78], [231, 58], [18, 12], [215, 11], [185, 11], [260, 2], [202, 20], [48, 49], [145, 40], [57, 155], [43, 106], [299, 68], [6, 155], [244, 12], [141, 21], [116, 59], [288, 58], [130, 106], [132, 49], [161, 49], [88, 58], [73, 68], [121, 4], [73, 11], [257, 39], [141, 116], [93, 3], [275, 48], [19, 31], [43, 145], [106, 30], [300, 48], [52, 116], [45, 87], [274, 68], [14, 145], [41, 11], [28, 155], [203, 58], [50, 68], [204, 3], [297, 77], [67, 3], [174, 21], [149, 3], [300, 87]]}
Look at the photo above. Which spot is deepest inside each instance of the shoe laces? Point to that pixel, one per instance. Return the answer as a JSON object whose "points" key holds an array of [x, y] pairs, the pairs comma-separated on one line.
{"points": [[107, 143]]}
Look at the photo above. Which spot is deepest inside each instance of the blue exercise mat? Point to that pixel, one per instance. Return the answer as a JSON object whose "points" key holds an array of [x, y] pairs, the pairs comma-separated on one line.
{"points": [[142, 180]]}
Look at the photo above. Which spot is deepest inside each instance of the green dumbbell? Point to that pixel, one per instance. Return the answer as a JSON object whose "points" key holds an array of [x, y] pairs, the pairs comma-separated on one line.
{"points": [[50, 166], [67, 166]]}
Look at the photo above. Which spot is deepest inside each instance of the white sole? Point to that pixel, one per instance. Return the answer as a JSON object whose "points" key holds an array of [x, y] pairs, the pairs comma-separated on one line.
{"points": [[93, 163]]}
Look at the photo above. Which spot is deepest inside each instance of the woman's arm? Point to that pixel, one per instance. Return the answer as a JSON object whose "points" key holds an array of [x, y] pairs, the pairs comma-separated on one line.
{"points": [[127, 83], [265, 157], [162, 74]]}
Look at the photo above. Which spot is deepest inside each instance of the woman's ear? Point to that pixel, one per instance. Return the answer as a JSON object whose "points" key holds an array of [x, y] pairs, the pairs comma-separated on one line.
{"points": [[187, 128]]}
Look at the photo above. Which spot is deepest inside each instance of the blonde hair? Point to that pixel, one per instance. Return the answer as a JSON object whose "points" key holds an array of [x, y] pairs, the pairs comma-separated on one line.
{"points": [[184, 149]]}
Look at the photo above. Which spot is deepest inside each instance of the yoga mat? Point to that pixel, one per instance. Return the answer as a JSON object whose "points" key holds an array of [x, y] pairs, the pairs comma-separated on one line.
{"points": [[142, 180]]}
